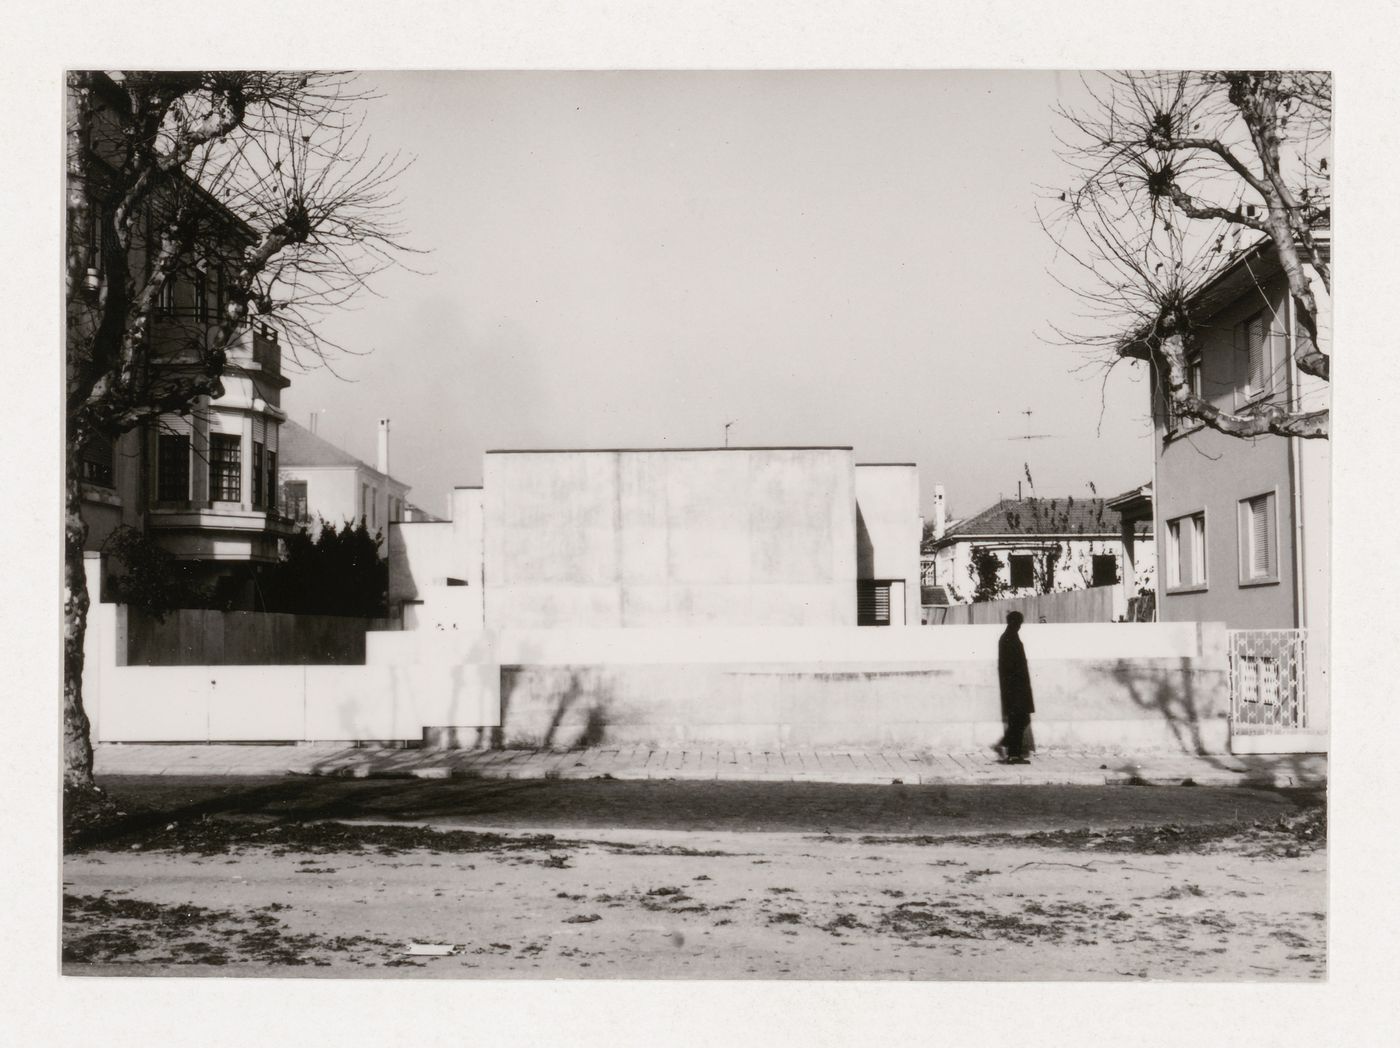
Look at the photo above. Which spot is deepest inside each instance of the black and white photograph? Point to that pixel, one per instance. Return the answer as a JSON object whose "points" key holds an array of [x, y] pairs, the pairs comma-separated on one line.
{"points": [[712, 525], [663, 535]]}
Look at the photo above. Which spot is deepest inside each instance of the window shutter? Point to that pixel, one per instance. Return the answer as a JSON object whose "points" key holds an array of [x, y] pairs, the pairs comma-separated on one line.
{"points": [[1261, 536], [1257, 361], [1198, 544], [873, 604]]}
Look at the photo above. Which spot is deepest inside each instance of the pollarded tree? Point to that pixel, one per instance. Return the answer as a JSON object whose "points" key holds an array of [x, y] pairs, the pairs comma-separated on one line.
{"points": [[262, 180], [1177, 176]]}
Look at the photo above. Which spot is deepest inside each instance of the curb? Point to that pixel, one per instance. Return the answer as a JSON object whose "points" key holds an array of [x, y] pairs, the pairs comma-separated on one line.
{"points": [[1253, 780]]}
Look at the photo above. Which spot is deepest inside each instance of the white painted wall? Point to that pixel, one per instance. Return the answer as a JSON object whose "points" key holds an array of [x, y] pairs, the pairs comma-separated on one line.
{"points": [[646, 538], [1074, 569], [887, 504], [1096, 685]]}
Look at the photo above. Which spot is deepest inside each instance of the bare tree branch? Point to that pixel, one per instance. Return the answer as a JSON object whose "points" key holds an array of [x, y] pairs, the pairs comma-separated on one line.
{"points": [[1167, 170]]}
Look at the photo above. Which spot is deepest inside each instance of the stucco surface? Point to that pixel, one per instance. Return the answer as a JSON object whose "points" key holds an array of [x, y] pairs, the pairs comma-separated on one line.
{"points": [[639, 538]]}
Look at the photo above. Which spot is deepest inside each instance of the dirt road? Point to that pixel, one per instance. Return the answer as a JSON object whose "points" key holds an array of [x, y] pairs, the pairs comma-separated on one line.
{"points": [[267, 897]]}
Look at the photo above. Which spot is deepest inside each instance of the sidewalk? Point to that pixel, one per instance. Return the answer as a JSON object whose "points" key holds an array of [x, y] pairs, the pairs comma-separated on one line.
{"points": [[1049, 767]]}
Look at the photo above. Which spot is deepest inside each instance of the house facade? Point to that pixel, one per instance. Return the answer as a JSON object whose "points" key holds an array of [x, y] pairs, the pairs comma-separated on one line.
{"points": [[1022, 547], [1243, 525], [322, 482], [201, 483], [740, 537]]}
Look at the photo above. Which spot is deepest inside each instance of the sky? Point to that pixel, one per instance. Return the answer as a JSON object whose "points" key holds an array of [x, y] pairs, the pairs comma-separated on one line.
{"points": [[637, 259]]}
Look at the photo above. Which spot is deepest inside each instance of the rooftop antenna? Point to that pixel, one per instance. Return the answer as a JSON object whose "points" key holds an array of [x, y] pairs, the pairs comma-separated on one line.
{"points": [[726, 432], [1032, 436]]}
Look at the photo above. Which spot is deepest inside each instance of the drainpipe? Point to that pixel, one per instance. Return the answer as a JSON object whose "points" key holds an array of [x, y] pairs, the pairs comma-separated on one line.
{"points": [[1295, 475], [1159, 539]]}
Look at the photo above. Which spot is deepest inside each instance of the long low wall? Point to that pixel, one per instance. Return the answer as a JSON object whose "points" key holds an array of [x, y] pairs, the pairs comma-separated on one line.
{"points": [[392, 697], [1157, 686]]}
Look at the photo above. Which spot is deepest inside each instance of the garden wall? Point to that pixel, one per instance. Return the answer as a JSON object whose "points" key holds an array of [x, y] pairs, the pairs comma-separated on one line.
{"points": [[1152, 686]]}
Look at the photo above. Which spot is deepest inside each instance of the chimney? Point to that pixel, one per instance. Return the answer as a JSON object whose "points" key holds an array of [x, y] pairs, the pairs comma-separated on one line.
{"points": [[383, 462], [940, 512]]}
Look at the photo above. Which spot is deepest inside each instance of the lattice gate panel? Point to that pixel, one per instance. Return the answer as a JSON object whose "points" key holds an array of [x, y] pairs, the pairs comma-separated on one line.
{"points": [[1268, 681]]}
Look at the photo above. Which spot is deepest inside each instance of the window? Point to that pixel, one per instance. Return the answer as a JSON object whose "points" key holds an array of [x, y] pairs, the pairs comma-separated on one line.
{"points": [[295, 500], [872, 603], [1259, 539], [1253, 358], [257, 474], [1186, 551], [1105, 569], [173, 467], [374, 507], [364, 502], [270, 467], [225, 467], [1193, 373], [201, 294], [165, 298], [97, 456], [1022, 570], [1194, 386]]}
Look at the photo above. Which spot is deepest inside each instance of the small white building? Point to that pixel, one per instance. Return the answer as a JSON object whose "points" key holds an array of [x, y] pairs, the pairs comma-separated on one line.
{"points": [[320, 481]]}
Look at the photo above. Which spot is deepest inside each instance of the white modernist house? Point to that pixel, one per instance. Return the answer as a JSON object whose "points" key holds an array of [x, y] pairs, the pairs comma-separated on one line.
{"points": [[788, 536], [323, 482], [705, 597]]}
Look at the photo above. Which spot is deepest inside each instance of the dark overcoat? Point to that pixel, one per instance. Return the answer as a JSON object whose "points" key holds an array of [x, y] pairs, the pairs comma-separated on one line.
{"points": [[1015, 676]]}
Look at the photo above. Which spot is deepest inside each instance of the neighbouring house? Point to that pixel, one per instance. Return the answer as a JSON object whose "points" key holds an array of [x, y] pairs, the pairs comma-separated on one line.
{"points": [[202, 483], [320, 481], [1243, 525], [1028, 546], [789, 536]]}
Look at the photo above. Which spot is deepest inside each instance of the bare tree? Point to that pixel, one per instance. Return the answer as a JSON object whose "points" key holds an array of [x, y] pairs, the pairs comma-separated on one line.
{"points": [[1175, 178], [264, 178]]}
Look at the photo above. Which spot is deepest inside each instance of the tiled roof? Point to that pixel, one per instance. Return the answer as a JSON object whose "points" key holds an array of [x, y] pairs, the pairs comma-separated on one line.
{"points": [[298, 446], [1058, 517]]}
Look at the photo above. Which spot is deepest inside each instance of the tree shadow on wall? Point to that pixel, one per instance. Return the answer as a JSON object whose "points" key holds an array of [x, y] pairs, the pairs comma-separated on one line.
{"points": [[1171, 695], [579, 693]]}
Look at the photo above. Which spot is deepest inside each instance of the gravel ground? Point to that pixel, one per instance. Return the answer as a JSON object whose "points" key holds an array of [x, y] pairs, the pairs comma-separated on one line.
{"points": [[255, 894]]}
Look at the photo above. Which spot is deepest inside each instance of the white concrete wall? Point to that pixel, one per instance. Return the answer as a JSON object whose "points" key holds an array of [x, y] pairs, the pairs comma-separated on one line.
{"points": [[437, 565], [889, 530], [651, 538], [1158, 685]]}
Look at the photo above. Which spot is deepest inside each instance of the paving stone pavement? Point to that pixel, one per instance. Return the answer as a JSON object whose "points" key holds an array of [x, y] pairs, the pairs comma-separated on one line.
{"points": [[1051, 766]]}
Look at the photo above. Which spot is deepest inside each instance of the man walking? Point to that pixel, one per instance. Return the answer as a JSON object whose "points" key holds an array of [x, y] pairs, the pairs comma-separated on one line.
{"points": [[1016, 702]]}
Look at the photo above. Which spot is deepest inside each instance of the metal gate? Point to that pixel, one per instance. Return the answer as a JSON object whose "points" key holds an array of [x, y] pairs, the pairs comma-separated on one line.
{"points": [[1268, 681]]}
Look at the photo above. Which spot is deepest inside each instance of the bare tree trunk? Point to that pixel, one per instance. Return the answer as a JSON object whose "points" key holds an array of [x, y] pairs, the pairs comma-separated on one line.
{"points": [[77, 743]]}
